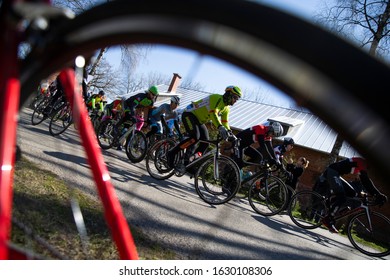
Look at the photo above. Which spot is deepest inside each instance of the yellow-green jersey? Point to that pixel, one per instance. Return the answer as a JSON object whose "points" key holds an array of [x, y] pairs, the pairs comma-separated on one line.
{"points": [[211, 108]]}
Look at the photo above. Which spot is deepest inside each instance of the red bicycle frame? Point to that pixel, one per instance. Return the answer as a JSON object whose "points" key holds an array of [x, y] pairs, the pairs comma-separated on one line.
{"points": [[9, 102]]}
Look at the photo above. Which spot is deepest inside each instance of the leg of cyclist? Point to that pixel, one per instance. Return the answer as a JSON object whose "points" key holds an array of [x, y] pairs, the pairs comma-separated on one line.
{"points": [[336, 190], [192, 127]]}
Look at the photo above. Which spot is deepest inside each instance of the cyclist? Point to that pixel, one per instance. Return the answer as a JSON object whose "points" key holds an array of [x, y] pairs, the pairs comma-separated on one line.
{"points": [[280, 150], [158, 117], [111, 110], [96, 99], [141, 100], [56, 92], [261, 134], [331, 184], [214, 108]]}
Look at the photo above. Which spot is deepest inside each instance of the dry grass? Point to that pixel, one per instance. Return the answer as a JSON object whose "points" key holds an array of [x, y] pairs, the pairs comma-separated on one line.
{"points": [[42, 203]]}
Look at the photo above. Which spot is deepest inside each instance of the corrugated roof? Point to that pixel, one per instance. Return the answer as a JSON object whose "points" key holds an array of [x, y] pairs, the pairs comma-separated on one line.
{"points": [[313, 133]]}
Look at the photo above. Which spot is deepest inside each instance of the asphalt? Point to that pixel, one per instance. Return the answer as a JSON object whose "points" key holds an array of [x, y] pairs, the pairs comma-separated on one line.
{"points": [[171, 212]]}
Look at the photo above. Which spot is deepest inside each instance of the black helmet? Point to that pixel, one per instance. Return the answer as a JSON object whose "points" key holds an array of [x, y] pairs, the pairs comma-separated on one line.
{"points": [[288, 141], [101, 92]]}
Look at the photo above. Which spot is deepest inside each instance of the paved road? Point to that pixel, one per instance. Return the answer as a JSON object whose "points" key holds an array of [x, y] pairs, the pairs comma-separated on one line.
{"points": [[172, 213]]}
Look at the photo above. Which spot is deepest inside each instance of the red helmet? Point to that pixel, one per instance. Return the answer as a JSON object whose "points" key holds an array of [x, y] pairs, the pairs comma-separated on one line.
{"points": [[360, 164]]}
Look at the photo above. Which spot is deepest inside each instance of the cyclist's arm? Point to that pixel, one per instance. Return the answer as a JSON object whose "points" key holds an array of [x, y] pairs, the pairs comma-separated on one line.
{"points": [[164, 122], [132, 104], [177, 127], [367, 183], [266, 144], [225, 118]]}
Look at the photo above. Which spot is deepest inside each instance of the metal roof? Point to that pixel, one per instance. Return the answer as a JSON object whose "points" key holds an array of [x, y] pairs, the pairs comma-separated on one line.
{"points": [[307, 129]]}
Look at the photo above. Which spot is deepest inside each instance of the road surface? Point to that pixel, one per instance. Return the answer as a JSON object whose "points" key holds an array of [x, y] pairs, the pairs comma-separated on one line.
{"points": [[171, 212]]}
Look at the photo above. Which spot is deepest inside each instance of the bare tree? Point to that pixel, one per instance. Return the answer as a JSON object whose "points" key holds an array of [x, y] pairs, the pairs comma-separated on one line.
{"points": [[366, 22], [77, 6], [192, 85], [105, 78], [130, 54]]}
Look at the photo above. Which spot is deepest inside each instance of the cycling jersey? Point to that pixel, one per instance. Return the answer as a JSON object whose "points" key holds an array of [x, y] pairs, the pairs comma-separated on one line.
{"points": [[209, 109], [279, 152], [251, 135], [165, 110], [95, 99], [260, 133], [137, 101], [113, 108]]}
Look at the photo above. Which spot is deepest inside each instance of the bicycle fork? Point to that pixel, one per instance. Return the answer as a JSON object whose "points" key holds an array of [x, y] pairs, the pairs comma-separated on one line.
{"points": [[362, 208]]}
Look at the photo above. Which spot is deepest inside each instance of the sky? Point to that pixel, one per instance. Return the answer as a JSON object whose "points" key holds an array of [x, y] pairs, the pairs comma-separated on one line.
{"points": [[168, 60]]}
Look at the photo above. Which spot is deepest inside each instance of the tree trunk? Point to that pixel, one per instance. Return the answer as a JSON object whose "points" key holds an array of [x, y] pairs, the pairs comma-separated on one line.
{"points": [[336, 149], [97, 61]]}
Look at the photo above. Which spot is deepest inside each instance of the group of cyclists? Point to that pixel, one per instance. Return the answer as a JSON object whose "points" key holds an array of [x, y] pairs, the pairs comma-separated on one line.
{"points": [[215, 109]]}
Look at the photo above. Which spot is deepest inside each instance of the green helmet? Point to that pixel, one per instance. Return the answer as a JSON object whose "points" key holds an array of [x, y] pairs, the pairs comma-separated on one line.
{"points": [[153, 90], [234, 90]]}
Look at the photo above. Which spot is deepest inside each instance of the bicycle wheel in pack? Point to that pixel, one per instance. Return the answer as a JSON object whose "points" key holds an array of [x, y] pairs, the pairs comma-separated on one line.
{"points": [[136, 146], [370, 239], [37, 116], [270, 200], [61, 120], [306, 209], [156, 160], [105, 134], [217, 190]]}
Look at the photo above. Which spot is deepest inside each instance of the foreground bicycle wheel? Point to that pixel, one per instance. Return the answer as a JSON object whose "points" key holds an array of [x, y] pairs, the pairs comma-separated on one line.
{"points": [[61, 120], [136, 146], [306, 209], [268, 201], [217, 190], [156, 160], [371, 237]]}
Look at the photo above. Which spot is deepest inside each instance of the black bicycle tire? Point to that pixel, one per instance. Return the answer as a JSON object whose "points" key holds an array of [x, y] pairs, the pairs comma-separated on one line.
{"points": [[104, 147], [151, 160], [272, 212], [51, 130], [355, 244], [130, 156], [36, 111], [293, 201], [208, 161], [338, 70]]}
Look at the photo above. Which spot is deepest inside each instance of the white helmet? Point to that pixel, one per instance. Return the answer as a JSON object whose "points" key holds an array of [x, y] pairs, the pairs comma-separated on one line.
{"points": [[276, 128], [175, 99]]}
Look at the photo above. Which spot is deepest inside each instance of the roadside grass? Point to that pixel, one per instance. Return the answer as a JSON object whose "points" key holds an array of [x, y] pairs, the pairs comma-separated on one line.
{"points": [[42, 204]]}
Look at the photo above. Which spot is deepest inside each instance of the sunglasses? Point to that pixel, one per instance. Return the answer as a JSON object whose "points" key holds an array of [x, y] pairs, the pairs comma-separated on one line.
{"points": [[235, 97]]}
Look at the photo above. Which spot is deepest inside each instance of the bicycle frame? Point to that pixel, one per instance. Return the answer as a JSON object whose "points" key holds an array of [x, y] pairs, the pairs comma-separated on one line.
{"points": [[212, 153], [352, 212], [9, 100]]}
